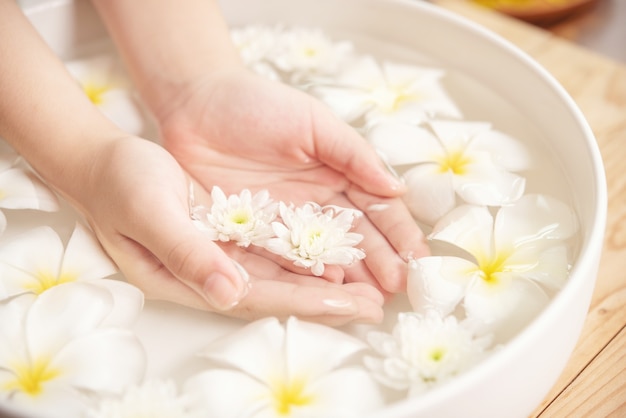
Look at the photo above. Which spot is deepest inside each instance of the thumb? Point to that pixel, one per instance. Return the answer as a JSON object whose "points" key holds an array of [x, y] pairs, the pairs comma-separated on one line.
{"points": [[339, 146]]}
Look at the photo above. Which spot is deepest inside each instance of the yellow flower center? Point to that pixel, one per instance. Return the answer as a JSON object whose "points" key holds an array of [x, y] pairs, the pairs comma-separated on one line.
{"points": [[290, 394], [30, 377], [489, 267], [455, 162], [240, 217], [310, 52], [95, 92], [437, 354], [44, 280]]}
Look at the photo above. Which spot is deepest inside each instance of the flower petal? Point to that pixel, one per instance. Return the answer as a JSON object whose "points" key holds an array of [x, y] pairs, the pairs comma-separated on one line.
{"points": [[404, 144], [65, 312], [456, 135], [430, 193], [104, 360], [313, 350], [122, 109], [84, 258], [12, 334], [438, 283], [468, 227], [127, 303], [534, 217], [506, 307], [22, 190], [505, 151], [227, 393]]}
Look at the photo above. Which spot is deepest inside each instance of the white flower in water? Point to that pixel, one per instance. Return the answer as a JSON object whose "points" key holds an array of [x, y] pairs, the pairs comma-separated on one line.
{"points": [[21, 189], [517, 257], [152, 399], [387, 92], [312, 236], [242, 218], [36, 260], [424, 351], [102, 81], [453, 158], [296, 370], [58, 348], [309, 52], [255, 44]]}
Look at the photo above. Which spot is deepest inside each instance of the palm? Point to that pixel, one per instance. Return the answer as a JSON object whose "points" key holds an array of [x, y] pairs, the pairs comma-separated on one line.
{"points": [[238, 131]]}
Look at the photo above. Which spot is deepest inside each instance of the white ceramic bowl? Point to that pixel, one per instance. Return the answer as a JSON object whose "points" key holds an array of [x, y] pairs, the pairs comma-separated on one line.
{"points": [[512, 382]]}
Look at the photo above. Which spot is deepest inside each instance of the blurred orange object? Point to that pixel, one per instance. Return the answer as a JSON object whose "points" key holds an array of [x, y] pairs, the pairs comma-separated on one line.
{"points": [[537, 11]]}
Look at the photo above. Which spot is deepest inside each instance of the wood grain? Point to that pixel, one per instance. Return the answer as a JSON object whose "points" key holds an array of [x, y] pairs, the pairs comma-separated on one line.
{"points": [[594, 382]]}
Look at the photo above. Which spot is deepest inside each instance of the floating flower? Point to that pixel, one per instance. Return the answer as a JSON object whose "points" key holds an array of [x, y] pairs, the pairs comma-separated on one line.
{"points": [[468, 159], [21, 189], [387, 92], [516, 258], [106, 87], [152, 399], [36, 261], [424, 351], [309, 52], [304, 372], [72, 341], [312, 236], [255, 44], [242, 218]]}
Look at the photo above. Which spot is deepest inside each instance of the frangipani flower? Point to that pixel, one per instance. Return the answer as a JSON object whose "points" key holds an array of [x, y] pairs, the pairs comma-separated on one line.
{"points": [[468, 159], [296, 370], [516, 257], [152, 399], [103, 83], [36, 261], [255, 44], [309, 52], [387, 92], [424, 351], [21, 189], [312, 236], [59, 348], [242, 218]]}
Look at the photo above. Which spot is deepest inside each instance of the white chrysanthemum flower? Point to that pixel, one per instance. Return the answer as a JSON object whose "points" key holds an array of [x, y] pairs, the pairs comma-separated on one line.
{"points": [[515, 257], [387, 92], [312, 236], [307, 370], [152, 399], [424, 351], [308, 52], [255, 44], [242, 218]]}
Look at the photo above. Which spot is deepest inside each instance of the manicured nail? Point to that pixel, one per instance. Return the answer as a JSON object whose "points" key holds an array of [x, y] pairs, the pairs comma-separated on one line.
{"points": [[341, 306], [222, 292], [396, 180]]}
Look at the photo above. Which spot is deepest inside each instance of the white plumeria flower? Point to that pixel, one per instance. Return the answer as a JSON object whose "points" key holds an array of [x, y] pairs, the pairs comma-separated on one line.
{"points": [[309, 52], [36, 260], [297, 370], [21, 189], [152, 399], [517, 257], [255, 44], [387, 92], [313, 236], [425, 351], [242, 218], [453, 158], [59, 348], [102, 81]]}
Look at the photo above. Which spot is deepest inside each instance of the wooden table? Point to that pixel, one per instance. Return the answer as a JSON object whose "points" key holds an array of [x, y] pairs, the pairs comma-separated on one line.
{"points": [[594, 382]]}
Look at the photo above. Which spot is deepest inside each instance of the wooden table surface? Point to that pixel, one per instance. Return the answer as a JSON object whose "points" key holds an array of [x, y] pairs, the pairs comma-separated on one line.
{"points": [[594, 382]]}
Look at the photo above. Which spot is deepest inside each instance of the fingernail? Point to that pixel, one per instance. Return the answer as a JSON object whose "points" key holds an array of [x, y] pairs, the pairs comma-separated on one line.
{"points": [[397, 180], [222, 292], [341, 306]]}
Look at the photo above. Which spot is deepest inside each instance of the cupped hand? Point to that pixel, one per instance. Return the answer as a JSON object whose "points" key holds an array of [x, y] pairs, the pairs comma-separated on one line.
{"points": [[239, 131], [136, 197]]}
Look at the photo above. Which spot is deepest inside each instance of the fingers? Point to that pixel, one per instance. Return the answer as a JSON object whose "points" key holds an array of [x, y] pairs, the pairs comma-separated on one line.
{"points": [[340, 146]]}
